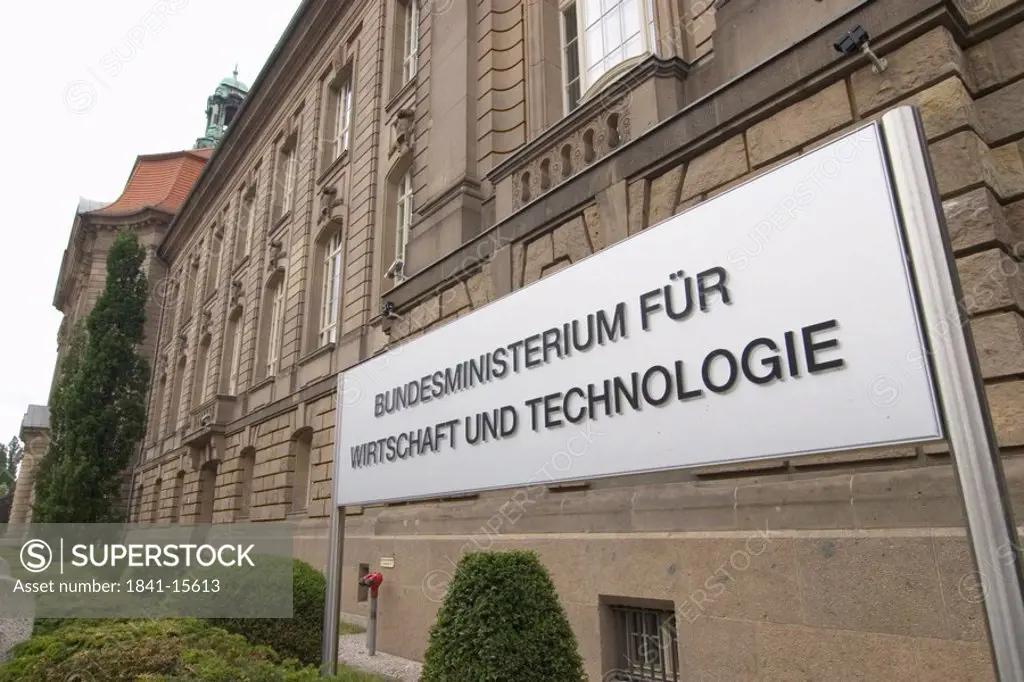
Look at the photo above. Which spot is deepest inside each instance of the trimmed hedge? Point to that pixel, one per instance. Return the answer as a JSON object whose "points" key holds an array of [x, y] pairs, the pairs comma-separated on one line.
{"points": [[501, 621], [182, 650], [299, 636]]}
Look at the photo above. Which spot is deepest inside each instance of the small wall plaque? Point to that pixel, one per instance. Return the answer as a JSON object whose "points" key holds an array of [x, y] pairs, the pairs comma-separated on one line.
{"points": [[387, 562]]}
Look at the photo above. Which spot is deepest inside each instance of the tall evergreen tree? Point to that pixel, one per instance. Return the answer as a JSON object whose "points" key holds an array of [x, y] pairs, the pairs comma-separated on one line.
{"points": [[98, 409], [10, 458]]}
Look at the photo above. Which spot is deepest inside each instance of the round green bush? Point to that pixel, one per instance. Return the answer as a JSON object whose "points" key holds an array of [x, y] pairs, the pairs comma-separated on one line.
{"points": [[501, 621], [299, 636], [182, 650]]}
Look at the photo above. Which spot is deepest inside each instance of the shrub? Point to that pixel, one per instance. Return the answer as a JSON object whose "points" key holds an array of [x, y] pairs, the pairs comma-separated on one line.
{"points": [[184, 650], [501, 621], [299, 636]]}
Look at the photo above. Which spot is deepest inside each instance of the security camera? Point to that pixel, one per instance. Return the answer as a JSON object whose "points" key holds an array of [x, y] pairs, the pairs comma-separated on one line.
{"points": [[388, 310], [396, 269], [205, 420], [851, 43], [858, 40]]}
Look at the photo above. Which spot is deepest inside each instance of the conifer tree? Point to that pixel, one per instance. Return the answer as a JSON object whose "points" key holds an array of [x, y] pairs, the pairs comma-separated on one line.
{"points": [[98, 407]]}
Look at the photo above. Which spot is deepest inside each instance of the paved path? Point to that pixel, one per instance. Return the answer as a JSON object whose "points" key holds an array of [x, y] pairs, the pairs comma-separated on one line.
{"points": [[352, 652]]}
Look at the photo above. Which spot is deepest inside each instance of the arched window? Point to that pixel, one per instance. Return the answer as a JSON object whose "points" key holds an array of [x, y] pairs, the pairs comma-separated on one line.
{"points": [[271, 325], [330, 288], [137, 508], [154, 502], [178, 501], [246, 466], [301, 450], [207, 490]]}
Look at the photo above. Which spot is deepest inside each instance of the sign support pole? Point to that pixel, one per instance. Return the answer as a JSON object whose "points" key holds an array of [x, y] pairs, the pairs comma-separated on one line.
{"points": [[968, 422], [335, 557]]}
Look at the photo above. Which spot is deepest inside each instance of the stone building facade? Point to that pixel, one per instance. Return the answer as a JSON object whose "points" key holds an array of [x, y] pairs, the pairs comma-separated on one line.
{"points": [[398, 164]]}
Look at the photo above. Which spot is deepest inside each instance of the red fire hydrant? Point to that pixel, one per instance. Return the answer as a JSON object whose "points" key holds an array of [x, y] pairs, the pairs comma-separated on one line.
{"points": [[373, 581]]}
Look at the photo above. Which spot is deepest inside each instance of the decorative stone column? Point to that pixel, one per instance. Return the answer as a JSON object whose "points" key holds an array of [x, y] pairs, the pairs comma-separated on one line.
{"points": [[35, 432]]}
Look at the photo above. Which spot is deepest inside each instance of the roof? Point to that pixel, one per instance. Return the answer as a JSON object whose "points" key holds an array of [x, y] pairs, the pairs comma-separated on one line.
{"points": [[158, 181], [86, 205], [37, 417]]}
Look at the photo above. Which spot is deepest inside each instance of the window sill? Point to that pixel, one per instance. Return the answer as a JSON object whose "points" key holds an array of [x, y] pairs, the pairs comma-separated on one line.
{"points": [[279, 223], [333, 167], [266, 381], [318, 352], [408, 87], [240, 264]]}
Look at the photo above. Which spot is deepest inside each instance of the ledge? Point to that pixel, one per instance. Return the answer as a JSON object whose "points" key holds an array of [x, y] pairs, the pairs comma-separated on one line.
{"points": [[332, 168]]}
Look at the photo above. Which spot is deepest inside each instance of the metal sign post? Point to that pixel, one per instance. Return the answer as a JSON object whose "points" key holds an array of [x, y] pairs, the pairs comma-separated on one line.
{"points": [[968, 423], [335, 558]]}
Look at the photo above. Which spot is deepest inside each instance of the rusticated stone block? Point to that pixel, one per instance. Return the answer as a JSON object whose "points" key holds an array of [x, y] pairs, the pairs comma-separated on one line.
{"points": [[798, 124], [715, 167], [929, 59], [975, 218], [1006, 402], [638, 205], [454, 299], [1002, 112], [592, 221], [539, 254], [999, 341], [570, 240], [990, 280], [998, 59], [665, 195], [614, 212], [945, 107], [964, 161], [480, 288]]}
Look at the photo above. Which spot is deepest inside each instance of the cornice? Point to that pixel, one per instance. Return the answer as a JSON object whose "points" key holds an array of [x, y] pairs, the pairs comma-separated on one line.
{"points": [[303, 37]]}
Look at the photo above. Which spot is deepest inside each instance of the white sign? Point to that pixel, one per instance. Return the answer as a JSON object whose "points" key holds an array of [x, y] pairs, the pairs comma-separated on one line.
{"points": [[753, 326]]}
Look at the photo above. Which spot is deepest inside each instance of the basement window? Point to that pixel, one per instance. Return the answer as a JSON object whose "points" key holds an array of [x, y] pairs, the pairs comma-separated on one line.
{"points": [[644, 643]]}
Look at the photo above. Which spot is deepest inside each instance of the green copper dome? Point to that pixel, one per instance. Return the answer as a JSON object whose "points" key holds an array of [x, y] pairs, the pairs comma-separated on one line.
{"points": [[221, 108]]}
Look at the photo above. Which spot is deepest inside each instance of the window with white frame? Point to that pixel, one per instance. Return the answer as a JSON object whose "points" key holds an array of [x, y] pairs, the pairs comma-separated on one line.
{"points": [[246, 222], [276, 319], [598, 35], [235, 359], [339, 118], [403, 219], [331, 290], [411, 39], [284, 185]]}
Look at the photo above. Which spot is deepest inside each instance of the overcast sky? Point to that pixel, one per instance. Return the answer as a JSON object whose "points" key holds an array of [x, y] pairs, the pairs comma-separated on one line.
{"points": [[87, 87]]}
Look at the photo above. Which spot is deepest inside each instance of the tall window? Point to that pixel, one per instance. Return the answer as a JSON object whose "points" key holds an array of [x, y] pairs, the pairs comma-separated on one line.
{"points": [[233, 353], [213, 266], [403, 219], [411, 39], [597, 35], [331, 290], [246, 225], [284, 185], [301, 489], [199, 388], [337, 119], [275, 323]]}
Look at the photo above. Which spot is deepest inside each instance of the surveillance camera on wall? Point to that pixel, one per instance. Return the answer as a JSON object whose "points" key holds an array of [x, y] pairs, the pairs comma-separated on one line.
{"points": [[388, 310], [205, 420], [858, 40], [852, 42]]}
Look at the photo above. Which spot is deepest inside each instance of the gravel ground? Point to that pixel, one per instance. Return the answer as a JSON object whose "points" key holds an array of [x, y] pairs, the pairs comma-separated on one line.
{"points": [[352, 652]]}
